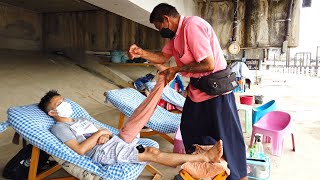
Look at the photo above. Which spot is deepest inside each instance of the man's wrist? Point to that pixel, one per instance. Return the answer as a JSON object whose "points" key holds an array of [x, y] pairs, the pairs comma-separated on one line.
{"points": [[143, 53], [176, 69]]}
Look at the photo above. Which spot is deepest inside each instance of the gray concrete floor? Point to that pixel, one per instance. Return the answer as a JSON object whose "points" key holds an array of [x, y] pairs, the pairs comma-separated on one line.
{"points": [[26, 76]]}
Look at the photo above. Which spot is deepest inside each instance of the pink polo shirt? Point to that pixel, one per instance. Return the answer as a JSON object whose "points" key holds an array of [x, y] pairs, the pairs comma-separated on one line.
{"points": [[195, 40]]}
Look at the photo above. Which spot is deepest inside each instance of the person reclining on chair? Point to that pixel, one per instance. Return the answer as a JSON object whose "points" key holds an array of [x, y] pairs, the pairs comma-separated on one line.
{"points": [[86, 138]]}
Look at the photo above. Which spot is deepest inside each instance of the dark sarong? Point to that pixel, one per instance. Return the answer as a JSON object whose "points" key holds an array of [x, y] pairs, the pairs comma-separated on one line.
{"points": [[217, 117]]}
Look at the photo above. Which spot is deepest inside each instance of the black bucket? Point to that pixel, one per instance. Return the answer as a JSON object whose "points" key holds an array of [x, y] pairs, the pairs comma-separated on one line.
{"points": [[258, 99]]}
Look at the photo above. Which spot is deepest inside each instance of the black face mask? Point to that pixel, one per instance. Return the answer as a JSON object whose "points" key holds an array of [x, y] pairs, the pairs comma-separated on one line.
{"points": [[167, 33]]}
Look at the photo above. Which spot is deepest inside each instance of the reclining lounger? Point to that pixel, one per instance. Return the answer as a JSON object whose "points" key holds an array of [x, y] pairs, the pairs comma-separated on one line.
{"points": [[161, 122], [34, 126]]}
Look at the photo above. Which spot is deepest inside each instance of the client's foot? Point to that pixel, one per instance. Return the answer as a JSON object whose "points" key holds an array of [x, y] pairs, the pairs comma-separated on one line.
{"points": [[215, 153]]}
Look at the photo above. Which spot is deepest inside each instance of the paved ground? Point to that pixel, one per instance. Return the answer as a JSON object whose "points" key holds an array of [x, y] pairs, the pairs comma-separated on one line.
{"points": [[25, 77]]}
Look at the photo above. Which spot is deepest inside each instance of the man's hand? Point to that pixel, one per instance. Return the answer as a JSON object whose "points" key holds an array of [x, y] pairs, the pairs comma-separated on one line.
{"points": [[104, 132], [99, 137], [134, 51], [105, 135], [169, 74], [103, 139]]}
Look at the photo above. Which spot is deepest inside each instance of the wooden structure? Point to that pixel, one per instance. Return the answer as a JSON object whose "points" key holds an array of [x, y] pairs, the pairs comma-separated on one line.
{"points": [[34, 165]]}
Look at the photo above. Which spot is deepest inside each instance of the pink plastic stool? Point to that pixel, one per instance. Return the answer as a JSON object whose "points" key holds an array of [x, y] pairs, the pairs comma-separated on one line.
{"points": [[275, 124], [178, 146]]}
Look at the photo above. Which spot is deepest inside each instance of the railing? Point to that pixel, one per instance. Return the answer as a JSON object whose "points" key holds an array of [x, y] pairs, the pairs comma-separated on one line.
{"points": [[303, 70]]}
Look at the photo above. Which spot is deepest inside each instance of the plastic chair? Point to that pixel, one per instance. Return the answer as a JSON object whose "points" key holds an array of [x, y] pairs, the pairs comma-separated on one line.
{"points": [[260, 111], [276, 125]]}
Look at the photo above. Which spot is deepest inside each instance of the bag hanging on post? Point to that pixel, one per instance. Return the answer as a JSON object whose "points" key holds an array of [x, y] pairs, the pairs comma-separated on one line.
{"points": [[216, 83]]}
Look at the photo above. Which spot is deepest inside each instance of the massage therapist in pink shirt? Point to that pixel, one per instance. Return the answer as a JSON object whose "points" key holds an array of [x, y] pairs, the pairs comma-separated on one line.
{"points": [[196, 50]]}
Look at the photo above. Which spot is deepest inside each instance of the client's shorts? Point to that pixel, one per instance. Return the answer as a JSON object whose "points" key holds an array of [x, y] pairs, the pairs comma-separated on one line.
{"points": [[117, 151]]}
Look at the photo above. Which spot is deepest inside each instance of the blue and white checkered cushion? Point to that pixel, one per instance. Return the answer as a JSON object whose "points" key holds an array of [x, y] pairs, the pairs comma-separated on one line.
{"points": [[128, 99], [34, 125]]}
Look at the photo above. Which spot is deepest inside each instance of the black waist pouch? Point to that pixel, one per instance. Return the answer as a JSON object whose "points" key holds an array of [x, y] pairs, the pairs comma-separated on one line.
{"points": [[216, 83]]}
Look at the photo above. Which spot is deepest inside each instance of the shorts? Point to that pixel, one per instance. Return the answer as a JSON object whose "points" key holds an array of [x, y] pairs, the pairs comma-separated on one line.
{"points": [[117, 151]]}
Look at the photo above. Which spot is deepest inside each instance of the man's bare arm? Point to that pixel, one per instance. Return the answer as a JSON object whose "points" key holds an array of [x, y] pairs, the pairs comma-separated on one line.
{"points": [[85, 146], [154, 57], [161, 67], [205, 65]]}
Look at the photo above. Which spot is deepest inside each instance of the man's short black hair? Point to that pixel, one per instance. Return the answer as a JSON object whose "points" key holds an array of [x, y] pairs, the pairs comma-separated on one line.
{"points": [[43, 105], [160, 10]]}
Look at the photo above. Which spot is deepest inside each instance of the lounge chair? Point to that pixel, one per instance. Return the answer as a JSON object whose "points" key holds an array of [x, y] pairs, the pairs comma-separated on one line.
{"points": [[162, 121], [34, 126]]}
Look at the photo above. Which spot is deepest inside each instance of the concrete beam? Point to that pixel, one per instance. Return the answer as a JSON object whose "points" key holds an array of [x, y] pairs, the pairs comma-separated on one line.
{"points": [[139, 10]]}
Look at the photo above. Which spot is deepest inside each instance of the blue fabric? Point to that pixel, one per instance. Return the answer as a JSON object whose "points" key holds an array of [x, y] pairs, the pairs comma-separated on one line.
{"points": [[4, 126], [139, 83], [34, 125], [179, 81], [169, 95], [238, 88], [241, 70], [128, 99]]}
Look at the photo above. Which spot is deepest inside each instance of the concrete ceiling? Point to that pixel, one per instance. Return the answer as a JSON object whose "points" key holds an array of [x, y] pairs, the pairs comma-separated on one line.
{"points": [[46, 6], [125, 8], [139, 10], [135, 10]]}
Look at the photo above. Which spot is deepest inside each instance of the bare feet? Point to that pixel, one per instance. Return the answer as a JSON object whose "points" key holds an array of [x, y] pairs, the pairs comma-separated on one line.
{"points": [[215, 153]]}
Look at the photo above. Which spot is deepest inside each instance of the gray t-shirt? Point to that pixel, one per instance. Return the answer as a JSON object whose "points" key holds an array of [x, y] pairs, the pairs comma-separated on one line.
{"points": [[63, 132]]}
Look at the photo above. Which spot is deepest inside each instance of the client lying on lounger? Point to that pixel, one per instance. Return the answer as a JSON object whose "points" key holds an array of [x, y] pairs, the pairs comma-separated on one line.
{"points": [[86, 138]]}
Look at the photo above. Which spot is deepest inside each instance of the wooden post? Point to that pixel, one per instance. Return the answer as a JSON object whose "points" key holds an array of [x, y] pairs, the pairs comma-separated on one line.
{"points": [[157, 174], [166, 137], [34, 163], [34, 166], [121, 120]]}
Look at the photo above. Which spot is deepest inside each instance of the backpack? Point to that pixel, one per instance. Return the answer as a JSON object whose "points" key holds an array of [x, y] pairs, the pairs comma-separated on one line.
{"points": [[18, 167]]}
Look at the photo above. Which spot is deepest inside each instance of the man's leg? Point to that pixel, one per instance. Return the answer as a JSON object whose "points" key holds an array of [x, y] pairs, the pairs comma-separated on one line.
{"points": [[142, 114], [173, 159]]}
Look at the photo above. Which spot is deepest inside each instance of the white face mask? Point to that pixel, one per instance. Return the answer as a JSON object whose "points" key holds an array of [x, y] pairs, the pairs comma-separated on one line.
{"points": [[64, 109]]}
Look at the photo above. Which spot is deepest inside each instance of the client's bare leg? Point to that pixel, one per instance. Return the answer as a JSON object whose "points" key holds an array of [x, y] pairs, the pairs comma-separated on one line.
{"points": [[173, 159]]}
